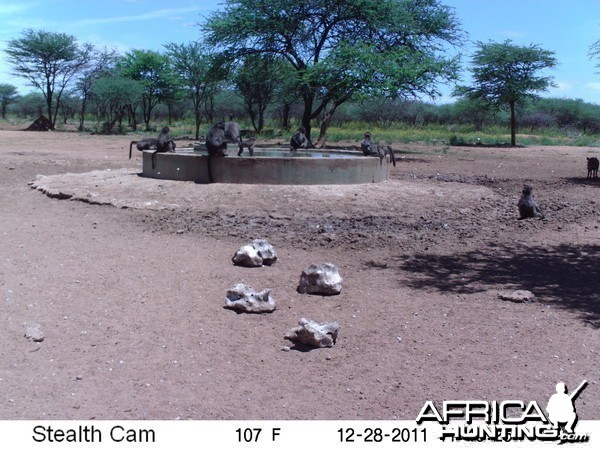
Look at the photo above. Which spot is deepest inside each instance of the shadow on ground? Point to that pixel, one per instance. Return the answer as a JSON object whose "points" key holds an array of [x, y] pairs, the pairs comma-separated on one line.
{"points": [[583, 181], [566, 275]]}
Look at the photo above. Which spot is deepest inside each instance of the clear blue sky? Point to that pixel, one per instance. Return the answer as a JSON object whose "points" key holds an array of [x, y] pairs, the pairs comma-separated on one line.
{"points": [[566, 27]]}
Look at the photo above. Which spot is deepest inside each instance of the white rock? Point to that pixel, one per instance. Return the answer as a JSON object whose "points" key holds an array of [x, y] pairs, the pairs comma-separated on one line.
{"points": [[313, 334], [519, 296], [34, 333], [244, 298], [320, 279], [256, 254]]}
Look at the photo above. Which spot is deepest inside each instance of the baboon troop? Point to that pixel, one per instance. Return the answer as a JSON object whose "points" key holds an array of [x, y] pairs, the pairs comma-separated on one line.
{"points": [[592, 167], [528, 208], [163, 143], [299, 139], [380, 150]]}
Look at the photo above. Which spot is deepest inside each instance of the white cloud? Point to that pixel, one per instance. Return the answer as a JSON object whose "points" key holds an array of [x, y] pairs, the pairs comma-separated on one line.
{"points": [[512, 34], [593, 86], [161, 13], [563, 86], [8, 8]]}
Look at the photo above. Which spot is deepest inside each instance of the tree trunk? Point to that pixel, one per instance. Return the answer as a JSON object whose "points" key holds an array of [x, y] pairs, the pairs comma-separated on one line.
{"points": [[285, 116], [307, 114], [327, 116], [513, 125], [82, 112]]}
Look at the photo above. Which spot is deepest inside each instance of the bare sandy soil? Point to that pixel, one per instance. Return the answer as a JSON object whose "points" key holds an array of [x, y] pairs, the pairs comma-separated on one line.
{"points": [[126, 278]]}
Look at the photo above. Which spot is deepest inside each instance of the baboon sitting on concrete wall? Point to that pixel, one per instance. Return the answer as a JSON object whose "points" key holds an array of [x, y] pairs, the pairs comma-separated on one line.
{"points": [[299, 139], [379, 150], [163, 143]]}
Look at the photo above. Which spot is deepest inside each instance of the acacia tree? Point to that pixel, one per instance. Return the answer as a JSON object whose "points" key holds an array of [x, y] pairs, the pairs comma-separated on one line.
{"points": [[101, 63], [595, 52], [153, 71], [197, 72], [49, 62], [343, 49], [8, 95], [256, 80], [114, 95], [505, 74]]}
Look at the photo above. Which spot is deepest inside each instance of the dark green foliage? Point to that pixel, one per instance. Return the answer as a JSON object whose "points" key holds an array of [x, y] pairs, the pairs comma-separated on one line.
{"points": [[8, 95], [155, 74], [49, 62], [505, 74], [340, 50]]}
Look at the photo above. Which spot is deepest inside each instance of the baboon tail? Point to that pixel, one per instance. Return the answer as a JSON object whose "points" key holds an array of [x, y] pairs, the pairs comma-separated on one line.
{"points": [[130, 147], [392, 156]]}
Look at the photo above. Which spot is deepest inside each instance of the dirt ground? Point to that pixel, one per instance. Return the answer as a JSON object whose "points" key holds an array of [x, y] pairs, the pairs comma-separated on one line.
{"points": [[126, 278]]}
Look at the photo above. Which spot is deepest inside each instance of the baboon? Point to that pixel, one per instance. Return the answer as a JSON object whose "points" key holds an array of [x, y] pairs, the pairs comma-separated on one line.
{"points": [[215, 140], [232, 132], [528, 208], [143, 144], [163, 143], [370, 149], [249, 144], [366, 145], [592, 166], [299, 139]]}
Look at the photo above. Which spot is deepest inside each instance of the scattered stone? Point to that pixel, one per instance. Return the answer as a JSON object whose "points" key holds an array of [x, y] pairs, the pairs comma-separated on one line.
{"points": [[519, 296], [256, 254], [244, 298], [320, 279], [313, 334], [33, 333]]}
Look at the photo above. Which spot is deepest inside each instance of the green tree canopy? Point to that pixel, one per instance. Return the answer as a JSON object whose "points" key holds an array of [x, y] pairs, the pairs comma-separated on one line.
{"points": [[114, 94], [505, 74], [153, 71], [49, 62], [256, 80], [198, 74], [8, 95], [344, 49]]}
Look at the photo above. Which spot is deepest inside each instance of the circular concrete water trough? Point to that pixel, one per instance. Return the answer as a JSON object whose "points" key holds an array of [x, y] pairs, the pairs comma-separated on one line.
{"points": [[268, 166]]}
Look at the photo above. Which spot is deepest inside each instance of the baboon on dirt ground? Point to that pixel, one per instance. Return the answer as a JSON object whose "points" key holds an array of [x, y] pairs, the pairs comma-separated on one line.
{"points": [[528, 208], [592, 167]]}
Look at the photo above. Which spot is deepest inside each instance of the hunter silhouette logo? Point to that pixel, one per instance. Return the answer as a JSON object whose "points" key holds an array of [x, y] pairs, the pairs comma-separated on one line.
{"points": [[508, 420], [561, 407]]}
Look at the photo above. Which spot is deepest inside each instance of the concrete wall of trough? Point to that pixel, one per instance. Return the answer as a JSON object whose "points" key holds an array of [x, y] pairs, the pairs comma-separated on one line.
{"points": [[193, 166]]}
